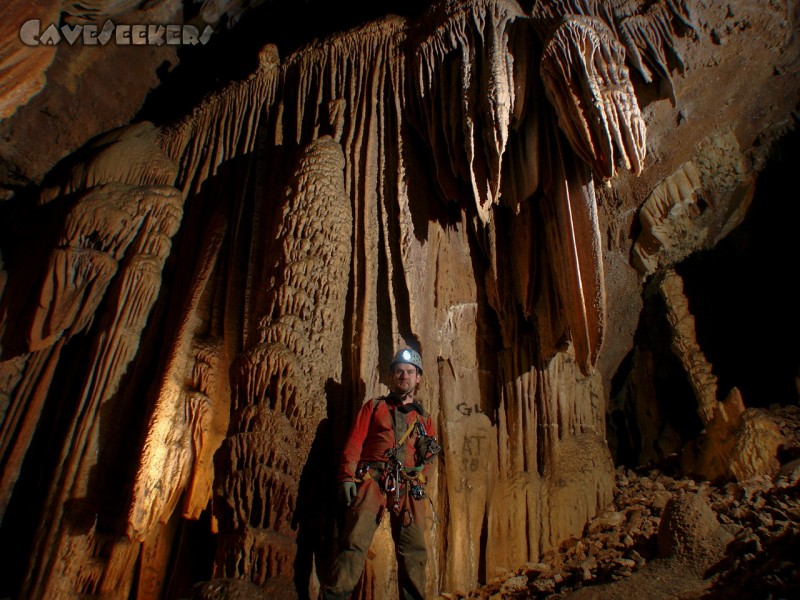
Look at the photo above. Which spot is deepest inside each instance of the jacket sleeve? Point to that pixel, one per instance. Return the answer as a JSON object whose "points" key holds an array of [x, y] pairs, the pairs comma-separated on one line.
{"points": [[355, 443]]}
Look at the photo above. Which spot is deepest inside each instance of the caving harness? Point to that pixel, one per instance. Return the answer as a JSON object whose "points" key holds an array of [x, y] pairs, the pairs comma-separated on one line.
{"points": [[396, 480]]}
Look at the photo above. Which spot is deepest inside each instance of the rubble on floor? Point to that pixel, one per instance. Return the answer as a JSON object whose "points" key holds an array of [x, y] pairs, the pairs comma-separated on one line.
{"points": [[758, 521]]}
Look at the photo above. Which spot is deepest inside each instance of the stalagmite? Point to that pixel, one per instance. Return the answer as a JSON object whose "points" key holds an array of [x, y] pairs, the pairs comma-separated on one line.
{"points": [[279, 384], [192, 408], [685, 346], [736, 442]]}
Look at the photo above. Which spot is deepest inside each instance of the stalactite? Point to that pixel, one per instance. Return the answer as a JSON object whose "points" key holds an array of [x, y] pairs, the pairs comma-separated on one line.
{"points": [[547, 14], [573, 235], [224, 125], [666, 218], [97, 233], [129, 155], [182, 436], [103, 228], [696, 206], [647, 30], [362, 71], [648, 36], [463, 79], [584, 72], [521, 163]]}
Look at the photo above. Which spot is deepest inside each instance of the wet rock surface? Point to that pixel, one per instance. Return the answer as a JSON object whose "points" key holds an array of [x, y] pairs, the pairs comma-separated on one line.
{"points": [[666, 536]]}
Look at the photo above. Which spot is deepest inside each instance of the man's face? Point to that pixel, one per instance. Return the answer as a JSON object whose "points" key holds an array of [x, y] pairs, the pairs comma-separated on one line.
{"points": [[405, 378]]}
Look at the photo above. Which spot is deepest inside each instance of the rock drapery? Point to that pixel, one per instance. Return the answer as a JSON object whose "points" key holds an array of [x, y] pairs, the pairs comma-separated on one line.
{"points": [[22, 68], [314, 238]]}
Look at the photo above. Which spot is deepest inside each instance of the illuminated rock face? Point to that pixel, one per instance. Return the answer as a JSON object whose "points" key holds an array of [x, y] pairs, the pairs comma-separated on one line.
{"points": [[222, 291], [278, 386]]}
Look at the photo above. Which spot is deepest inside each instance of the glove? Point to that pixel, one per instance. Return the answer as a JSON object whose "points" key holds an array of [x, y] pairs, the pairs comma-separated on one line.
{"points": [[347, 492]]}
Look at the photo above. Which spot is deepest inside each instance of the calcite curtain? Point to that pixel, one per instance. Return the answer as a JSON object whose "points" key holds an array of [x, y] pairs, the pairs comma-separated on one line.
{"points": [[224, 291]]}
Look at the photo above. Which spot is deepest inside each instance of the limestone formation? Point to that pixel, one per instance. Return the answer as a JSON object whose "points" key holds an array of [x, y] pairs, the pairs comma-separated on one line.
{"points": [[192, 408], [665, 536], [648, 30], [467, 108], [279, 385], [736, 443], [584, 73], [695, 207], [219, 292], [22, 67], [689, 530], [95, 260], [667, 218]]}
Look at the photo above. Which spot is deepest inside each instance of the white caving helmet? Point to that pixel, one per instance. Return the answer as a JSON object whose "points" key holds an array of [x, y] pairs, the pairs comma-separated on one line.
{"points": [[407, 356]]}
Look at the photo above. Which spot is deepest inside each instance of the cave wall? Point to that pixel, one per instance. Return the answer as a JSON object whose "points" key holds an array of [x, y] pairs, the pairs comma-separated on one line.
{"points": [[213, 297]]}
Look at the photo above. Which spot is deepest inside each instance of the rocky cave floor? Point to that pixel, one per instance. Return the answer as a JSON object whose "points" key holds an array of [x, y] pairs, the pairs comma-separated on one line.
{"points": [[714, 540]]}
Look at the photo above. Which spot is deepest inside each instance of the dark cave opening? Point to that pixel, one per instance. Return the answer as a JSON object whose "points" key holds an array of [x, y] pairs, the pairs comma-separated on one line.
{"points": [[653, 410], [742, 296], [743, 293]]}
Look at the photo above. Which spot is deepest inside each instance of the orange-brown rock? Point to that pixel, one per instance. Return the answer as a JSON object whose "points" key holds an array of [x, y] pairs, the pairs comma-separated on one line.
{"points": [[219, 291]]}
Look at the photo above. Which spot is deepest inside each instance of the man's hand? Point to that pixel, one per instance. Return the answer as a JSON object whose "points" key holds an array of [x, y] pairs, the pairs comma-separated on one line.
{"points": [[347, 492]]}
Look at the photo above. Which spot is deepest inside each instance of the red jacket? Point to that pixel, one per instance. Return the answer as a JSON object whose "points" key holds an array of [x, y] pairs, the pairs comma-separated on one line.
{"points": [[373, 433]]}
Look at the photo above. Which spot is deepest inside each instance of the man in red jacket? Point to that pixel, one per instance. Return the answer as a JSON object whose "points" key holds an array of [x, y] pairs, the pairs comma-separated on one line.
{"points": [[384, 466]]}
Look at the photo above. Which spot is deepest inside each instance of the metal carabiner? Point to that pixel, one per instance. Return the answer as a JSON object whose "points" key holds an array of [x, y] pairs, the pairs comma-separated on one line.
{"points": [[407, 515]]}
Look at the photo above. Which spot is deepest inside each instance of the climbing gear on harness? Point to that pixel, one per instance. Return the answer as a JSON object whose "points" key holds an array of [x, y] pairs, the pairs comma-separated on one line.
{"points": [[369, 470], [427, 447], [403, 439], [407, 356], [417, 492], [400, 480], [395, 479]]}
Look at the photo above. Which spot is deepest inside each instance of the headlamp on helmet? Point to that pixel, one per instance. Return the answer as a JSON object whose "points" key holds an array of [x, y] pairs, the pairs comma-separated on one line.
{"points": [[409, 357]]}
